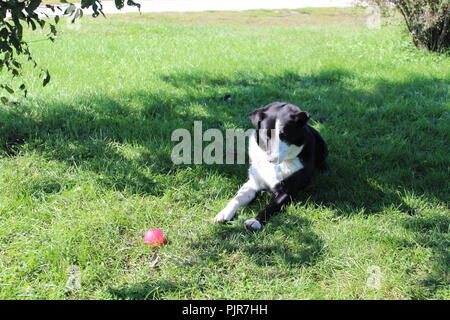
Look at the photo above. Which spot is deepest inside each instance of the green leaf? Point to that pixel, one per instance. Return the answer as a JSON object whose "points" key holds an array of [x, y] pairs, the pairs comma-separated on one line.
{"points": [[134, 4], [7, 88], [53, 30], [119, 4], [70, 9], [32, 23], [77, 14], [46, 78], [33, 5], [50, 7]]}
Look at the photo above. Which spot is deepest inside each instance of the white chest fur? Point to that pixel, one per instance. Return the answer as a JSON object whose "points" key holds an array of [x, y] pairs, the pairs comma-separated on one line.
{"points": [[267, 174]]}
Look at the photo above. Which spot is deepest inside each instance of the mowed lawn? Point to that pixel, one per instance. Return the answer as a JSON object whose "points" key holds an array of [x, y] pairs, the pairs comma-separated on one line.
{"points": [[85, 163]]}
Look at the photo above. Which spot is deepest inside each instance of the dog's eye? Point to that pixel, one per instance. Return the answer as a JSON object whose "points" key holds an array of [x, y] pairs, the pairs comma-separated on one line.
{"points": [[283, 136]]}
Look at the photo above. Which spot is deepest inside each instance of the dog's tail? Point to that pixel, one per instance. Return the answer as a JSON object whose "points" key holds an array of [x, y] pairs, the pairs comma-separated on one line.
{"points": [[321, 151]]}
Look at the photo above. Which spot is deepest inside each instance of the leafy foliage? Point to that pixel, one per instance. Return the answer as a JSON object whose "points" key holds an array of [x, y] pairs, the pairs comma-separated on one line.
{"points": [[428, 21], [14, 14]]}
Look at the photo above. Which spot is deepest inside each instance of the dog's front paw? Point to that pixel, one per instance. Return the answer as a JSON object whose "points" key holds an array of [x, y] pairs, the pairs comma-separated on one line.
{"points": [[252, 224], [223, 217]]}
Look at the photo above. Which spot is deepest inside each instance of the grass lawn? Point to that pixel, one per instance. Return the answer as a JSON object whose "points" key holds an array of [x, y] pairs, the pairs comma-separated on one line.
{"points": [[85, 163]]}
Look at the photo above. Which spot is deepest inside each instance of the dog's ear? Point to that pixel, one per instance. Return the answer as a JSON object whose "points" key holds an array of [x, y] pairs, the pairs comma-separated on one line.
{"points": [[301, 117], [257, 116]]}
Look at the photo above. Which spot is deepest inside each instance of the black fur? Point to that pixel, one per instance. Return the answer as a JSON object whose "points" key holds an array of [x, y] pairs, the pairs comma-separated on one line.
{"points": [[295, 131]]}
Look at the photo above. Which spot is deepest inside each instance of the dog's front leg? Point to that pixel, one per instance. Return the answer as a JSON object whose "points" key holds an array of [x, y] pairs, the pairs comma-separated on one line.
{"points": [[281, 199], [244, 196]]}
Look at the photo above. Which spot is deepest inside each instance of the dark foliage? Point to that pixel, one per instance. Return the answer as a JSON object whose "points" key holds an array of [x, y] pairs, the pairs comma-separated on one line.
{"points": [[15, 14], [428, 21]]}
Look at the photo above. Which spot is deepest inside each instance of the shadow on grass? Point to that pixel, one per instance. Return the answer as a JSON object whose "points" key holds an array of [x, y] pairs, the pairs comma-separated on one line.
{"points": [[385, 140], [431, 232], [294, 243], [144, 291], [368, 131]]}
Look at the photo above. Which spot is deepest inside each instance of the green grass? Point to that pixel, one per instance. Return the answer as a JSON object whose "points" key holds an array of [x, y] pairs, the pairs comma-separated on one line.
{"points": [[85, 162]]}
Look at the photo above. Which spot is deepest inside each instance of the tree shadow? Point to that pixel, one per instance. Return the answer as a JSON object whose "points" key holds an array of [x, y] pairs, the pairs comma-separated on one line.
{"points": [[301, 246], [145, 291], [379, 151], [91, 129], [379, 139], [431, 231]]}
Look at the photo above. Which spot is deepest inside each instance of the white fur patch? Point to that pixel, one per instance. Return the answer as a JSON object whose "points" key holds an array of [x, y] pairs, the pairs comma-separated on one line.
{"points": [[252, 224], [245, 194], [268, 174], [279, 150], [262, 175]]}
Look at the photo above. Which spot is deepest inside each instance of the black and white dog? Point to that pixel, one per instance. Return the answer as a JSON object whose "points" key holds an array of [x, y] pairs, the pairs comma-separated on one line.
{"points": [[284, 150]]}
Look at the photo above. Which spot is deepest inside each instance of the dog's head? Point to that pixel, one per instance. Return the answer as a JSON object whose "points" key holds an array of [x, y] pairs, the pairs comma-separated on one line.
{"points": [[279, 130]]}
